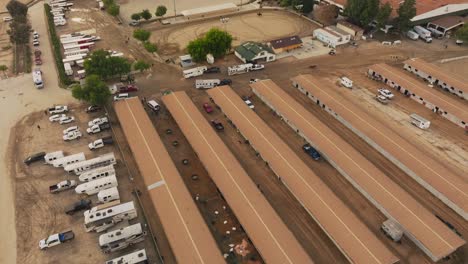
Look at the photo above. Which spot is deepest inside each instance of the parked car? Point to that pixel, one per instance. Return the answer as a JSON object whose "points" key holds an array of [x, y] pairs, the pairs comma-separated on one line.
{"points": [[56, 239], [459, 42], [78, 206], [72, 135], [382, 99], [100, 143], [207, 108], [98, 121], [121, 96], [58, 109], [66, 120], [225, 82], [93, 108], [213, 70], [311, 151], [254, 80], [153, 105], [386, 93], [34, 157], [332, 52], [248, 102], [128, 88], [134, 23], [98, 128], [7, 19], [217, 125], [57, 117], [70, 129], [257, 67], [62, 186], [36, 43]]}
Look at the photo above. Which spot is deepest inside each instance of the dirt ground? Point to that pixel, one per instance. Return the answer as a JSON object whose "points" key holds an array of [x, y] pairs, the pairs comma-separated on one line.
{"points": [[42, 213], [246, 27], [457, 67]]}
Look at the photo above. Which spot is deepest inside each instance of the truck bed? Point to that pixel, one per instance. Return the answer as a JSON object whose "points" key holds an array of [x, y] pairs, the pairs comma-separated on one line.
{"points": [[65, 236]]}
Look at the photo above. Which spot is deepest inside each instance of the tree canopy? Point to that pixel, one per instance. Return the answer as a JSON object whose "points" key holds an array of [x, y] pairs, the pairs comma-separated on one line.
{"points": [[462, 33], [384, 14], [19, 32], [17, 9], [113, 10], [146, 14], [94, 91], [361, 12], [216, 41], [136, 16], [150, 47], [161, 11], [140, 65], [406, 12], [308, 6], [141, 34], [103, 65]]}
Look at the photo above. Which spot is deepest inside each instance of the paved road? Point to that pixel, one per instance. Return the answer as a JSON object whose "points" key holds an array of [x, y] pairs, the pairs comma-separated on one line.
{"points": [[19, 97]]}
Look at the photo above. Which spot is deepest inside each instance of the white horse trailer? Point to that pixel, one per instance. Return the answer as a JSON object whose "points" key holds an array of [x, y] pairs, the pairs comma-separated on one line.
{"points": [[121, 238], [137, 257], [194, 72], [108, 195], [52, 156], [93, 187], [239, 69], [207, 84], [71, 159], [102, 220], [103, 160], [420, 121], [97, 173], [75, 52]]}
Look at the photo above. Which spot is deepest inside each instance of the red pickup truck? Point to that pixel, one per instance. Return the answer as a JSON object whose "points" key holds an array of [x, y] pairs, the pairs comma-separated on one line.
{"points": [[37, 57]]}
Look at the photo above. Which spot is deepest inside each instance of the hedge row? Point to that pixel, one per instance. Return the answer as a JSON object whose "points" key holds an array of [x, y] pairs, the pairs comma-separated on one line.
{"points": [[64, 80]]}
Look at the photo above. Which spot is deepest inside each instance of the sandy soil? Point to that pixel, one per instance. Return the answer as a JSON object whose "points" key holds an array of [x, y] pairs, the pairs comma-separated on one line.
{"points": [[271, 25]]}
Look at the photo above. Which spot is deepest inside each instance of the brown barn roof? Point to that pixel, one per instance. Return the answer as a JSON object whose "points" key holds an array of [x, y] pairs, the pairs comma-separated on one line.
{"points": [[285, 42]]}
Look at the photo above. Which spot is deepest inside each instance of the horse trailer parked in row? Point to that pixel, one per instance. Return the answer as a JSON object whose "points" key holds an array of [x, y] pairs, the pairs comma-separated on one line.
{"points": [[68, 160], [97, 173], [108, 195], [101, 220], [81, 167], [121, 238], [93, 187]]}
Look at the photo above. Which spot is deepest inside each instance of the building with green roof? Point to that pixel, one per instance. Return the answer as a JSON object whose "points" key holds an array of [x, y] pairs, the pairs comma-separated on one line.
{"points": [[254, 52]]}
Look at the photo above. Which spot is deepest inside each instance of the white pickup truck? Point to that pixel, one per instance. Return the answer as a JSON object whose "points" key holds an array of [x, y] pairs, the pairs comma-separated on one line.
{"points": [[58, 109], [62, 186], [98, 121], [56, 239], [100, 143]]}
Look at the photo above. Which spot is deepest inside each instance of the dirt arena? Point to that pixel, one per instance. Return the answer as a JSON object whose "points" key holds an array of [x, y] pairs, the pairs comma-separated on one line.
{"points": [[245, 27]]}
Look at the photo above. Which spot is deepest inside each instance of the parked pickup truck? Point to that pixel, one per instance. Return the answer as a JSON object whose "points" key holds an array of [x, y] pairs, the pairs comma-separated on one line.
{"points": [[78, 206], [58, 109], [62, 186], [56, 239], [98, 128], [100, 143], [37, 57]]}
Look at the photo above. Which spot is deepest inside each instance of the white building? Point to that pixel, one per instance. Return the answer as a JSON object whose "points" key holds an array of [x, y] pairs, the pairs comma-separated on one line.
{"points": [[332, 36]]}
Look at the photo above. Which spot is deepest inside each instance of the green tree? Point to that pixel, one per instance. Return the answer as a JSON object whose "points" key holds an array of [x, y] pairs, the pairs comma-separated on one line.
{"points": [[4, 68], [17, 9], [361, 12], [406, 12], [197, 49], [140, 65], [308, 6], [100, 63], [19, 32], [136, 16], [141, 34], [218, 42], [383, 15], [150, 47], [94, 91], [161, 11], [113, 10], [462, 33], [146, 14]]}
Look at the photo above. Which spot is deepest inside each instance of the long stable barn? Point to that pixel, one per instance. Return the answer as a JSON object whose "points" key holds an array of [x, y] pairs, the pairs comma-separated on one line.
{"points": [[349, 234], [438, 76], [419, 224], [265, 228], [187, 232], [444, 105], [427, 171]]}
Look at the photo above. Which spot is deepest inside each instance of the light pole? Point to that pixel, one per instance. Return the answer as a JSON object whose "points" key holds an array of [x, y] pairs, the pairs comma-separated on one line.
{"points": [[175, 13]]}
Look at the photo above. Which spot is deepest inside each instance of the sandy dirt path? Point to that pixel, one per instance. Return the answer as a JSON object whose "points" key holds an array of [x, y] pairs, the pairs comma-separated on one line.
{"points": [[19, 97]]}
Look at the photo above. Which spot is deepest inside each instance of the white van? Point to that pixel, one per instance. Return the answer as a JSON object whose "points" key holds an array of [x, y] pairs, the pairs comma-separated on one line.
{"points": [[121, 96], [51, 156], [346, 82], [153, 105], [108, 195], [419, 121], [207, 84], [412, 35], [93, 187]]}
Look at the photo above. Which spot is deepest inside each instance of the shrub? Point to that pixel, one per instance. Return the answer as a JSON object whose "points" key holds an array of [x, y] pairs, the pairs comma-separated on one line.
{"points": [[150, 47], [141, 34]]}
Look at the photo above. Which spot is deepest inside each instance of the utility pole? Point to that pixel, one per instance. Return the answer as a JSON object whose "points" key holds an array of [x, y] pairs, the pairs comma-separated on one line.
{"points": [[175, 13]]}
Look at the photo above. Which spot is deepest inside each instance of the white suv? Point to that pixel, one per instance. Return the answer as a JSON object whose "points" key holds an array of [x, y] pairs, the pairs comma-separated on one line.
{"points": [[386, 93], [121, 96]]}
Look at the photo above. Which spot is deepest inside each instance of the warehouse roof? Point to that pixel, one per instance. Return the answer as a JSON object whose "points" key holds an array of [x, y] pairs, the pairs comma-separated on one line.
{"points": [[390, 198], [285, 42], [249, 50], [441, 74], [265, 228], [447, 103], [187, 232], [343, 227], [428, 171]]}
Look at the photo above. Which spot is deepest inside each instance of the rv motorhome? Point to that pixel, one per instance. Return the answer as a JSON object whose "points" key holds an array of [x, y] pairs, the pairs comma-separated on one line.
{"points": [[102, 220], [93, 187], [121, 238]]}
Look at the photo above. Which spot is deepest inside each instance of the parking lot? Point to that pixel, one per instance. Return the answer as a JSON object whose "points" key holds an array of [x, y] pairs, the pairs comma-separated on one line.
{"points": [[40, 213]]}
